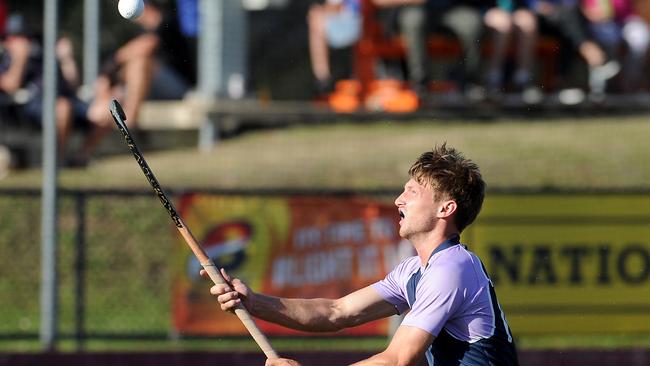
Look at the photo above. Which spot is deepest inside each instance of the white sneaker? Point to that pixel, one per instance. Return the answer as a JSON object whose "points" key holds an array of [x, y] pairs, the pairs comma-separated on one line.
{"points": [[571, 96], [532, 95], [475, 93]]}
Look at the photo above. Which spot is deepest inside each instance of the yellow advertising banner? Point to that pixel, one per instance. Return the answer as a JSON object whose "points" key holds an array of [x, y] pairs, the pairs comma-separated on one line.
{"points": [[560, 263], [568, 263], [291, 246]]}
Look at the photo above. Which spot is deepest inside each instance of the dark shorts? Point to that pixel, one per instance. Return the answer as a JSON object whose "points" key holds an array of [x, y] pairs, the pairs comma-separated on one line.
{"points": [[33, 110]]}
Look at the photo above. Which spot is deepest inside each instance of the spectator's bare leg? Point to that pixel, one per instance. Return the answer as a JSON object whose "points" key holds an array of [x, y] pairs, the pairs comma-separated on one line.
{"points": [[318, 50], [99, 115], [93, 141], [499, 21], [98, 112], [137, 77], [592, 53], [63, 110], [525, 24]]}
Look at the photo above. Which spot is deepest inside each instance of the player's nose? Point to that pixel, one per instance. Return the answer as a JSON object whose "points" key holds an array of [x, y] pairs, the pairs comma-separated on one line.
{"points": [[399, 201]]}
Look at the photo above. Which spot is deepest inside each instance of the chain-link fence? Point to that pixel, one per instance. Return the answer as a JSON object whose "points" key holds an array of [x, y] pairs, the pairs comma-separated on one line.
{"points": [[19, 272], [114, 265], [112, 255]]}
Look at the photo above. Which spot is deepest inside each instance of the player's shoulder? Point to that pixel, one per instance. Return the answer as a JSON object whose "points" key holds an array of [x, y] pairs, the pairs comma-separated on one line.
{"points": [[409, 262], [407, 265], [454, 261], [457, 254]]}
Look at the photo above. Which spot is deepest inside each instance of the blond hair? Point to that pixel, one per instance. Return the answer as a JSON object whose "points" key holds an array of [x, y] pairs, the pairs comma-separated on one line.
{"points": [[452, 176]]}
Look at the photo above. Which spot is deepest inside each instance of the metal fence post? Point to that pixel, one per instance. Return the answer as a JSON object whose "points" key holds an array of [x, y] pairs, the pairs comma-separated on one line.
{"points": [[80, 270], [91, 24], [49, 277]]}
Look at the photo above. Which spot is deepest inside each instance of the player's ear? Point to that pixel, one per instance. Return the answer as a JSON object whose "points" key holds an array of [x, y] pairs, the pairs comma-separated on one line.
{"points": [[447, 208]]}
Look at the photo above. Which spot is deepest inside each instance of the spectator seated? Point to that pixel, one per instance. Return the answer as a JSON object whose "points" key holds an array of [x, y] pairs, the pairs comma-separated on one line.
{"points": [[374, 45]]}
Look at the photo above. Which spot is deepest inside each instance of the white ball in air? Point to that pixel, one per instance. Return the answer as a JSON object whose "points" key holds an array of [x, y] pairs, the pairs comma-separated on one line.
{"points": [[130, 9]]}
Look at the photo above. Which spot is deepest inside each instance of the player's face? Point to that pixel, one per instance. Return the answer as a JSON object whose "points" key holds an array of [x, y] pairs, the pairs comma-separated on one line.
{"points": [[417, 210]]}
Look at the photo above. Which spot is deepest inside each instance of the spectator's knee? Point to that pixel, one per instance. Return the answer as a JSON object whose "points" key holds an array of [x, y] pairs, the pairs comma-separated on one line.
{"points": [[525, 21], [315, 15], [637, 35], [498, 20]]}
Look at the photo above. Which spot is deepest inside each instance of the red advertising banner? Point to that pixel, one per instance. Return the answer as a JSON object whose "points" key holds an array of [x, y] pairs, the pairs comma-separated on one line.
{"points": [[323, 246]]}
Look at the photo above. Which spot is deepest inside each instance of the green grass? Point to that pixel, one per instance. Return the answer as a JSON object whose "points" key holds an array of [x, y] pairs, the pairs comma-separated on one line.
{"points": [[568, 153]]}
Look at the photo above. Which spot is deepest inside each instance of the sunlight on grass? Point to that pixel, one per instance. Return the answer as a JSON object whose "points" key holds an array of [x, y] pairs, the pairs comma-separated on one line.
{"points": [[587, 153]]}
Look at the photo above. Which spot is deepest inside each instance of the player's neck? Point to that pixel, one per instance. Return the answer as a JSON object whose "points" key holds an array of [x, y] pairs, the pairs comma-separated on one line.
{"points": [[428, 243]]}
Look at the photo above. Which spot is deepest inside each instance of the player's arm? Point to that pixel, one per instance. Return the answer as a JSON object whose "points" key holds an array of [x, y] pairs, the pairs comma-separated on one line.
{"points": [[316, 315], [18, 48], [406, 348], [322, 315]]}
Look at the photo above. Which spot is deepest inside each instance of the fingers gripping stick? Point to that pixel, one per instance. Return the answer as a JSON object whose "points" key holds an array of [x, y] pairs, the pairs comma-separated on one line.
{"points": [[241, 312], [119, 116]]}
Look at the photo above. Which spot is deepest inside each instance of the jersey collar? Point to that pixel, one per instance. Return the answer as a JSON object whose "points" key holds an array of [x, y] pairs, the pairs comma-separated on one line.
{"points": [[450, 242]]}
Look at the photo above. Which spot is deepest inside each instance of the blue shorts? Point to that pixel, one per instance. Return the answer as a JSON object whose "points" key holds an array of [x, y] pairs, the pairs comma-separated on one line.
{"points": [[343, 28], [33, 110]]}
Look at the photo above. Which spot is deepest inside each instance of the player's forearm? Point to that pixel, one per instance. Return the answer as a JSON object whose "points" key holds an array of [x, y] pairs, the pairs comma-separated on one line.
{"points": [[70, 71], [315, 315], [12, 79], [379, 359], [388, 358]]}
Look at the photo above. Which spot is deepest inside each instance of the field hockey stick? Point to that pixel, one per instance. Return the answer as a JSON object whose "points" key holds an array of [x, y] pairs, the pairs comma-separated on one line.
{"points": [[118, 115]]}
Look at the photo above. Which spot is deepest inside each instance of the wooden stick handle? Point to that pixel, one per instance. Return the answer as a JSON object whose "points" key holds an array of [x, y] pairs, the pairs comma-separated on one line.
{"points": [[242, 313], [120, 117], [217, 278]]}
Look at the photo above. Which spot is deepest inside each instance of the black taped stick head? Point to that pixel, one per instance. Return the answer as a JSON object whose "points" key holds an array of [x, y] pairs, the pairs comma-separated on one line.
{"points": [[117, 111]]}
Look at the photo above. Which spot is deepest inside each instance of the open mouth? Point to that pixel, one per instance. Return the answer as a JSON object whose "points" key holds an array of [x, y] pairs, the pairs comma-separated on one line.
{"points": [[401, 214]]}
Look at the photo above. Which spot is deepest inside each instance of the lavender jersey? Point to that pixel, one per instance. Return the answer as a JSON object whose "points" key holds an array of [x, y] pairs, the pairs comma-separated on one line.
{"points": [[453, 299]]}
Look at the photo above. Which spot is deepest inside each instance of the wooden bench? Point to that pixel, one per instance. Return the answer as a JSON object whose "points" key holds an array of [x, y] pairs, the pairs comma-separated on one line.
{"points": [[181, 115], [215, 118], [375, 45]]}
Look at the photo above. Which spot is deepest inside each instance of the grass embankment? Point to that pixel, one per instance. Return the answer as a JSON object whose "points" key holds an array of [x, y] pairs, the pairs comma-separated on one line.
{"points": [[571, 153]]}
